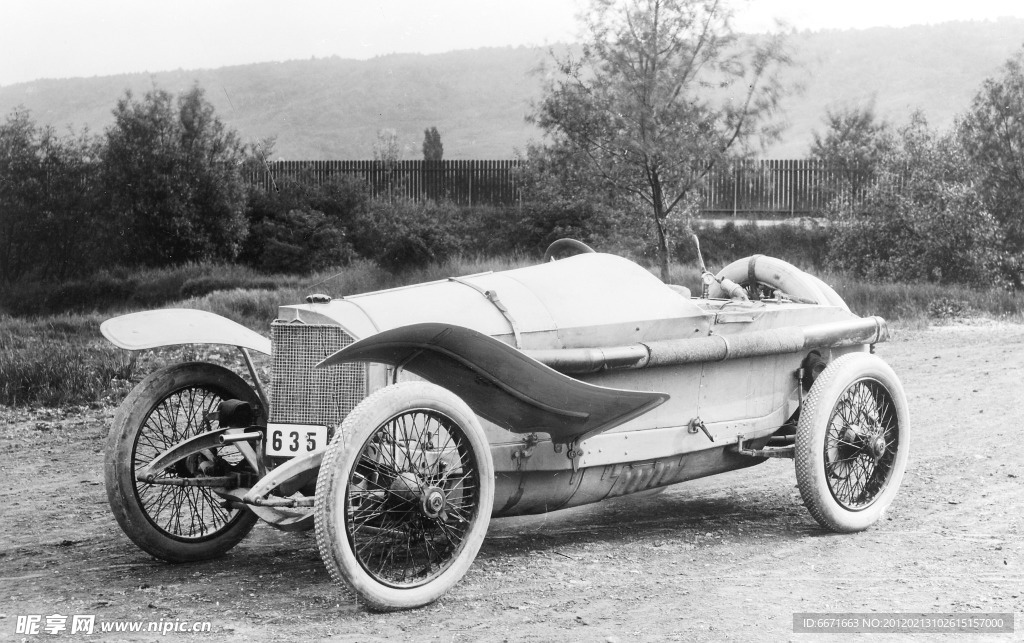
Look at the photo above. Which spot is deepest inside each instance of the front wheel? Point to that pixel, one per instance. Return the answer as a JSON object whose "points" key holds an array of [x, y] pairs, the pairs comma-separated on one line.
{"points": [[173, 520], [404, 496], [852, 442]]}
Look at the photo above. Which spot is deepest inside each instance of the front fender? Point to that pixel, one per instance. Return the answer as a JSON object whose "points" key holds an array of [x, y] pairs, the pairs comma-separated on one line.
{"points": [[173, 326], [501, 383]]}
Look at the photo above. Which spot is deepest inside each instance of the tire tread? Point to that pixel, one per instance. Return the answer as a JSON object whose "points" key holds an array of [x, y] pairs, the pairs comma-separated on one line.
{"points": [[825, 510]]}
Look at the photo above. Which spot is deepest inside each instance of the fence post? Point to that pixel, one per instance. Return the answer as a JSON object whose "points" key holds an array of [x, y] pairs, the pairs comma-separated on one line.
{"points": [[792, 188], [735, 187]]}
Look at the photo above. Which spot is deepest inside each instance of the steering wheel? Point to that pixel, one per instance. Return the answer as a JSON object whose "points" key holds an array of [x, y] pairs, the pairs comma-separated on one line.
{"points": [[565, 248]]}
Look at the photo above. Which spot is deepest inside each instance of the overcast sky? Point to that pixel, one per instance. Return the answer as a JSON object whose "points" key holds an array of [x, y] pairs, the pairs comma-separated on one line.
{"points": [[68, 38]]}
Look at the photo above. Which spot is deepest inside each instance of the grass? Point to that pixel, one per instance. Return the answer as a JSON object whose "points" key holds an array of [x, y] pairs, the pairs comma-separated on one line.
{"points": [[921, 303], [122, 289], [61, 359]]}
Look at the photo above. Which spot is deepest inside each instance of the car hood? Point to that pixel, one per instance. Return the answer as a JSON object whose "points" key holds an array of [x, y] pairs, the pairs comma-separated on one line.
{"points": [[583, 300]]}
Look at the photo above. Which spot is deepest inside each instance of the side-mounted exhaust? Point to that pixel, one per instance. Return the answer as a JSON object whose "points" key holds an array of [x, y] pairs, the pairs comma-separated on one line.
{"points": [[715, 348]]}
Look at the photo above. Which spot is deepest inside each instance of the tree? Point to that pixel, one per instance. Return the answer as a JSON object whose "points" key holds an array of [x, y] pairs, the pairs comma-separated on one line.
{"points": [[48, 200], [20, 191], [172, 172], [432, 148], [663, 91], [992, 132], [386, 149], [855, 140], [922, 220]]}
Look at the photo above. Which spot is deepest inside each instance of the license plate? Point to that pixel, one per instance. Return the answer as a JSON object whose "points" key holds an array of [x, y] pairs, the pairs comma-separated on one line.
{"points": [[295, 439]]}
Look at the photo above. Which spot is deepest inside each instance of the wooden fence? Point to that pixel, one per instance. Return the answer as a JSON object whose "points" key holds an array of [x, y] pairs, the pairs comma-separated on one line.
{"points": [[462, 182], [774, 188], [778, 188]]}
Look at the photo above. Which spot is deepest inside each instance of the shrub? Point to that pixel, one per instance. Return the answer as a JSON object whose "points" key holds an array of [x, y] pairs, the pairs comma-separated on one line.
{"points": [[406, 234], [922, 221], [801, 245], [536, 224], [948, 308], [947, 237], [301, 241], [304, 224]]}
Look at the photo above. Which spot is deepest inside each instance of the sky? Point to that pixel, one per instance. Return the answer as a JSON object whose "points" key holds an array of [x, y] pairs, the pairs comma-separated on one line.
{"points": [[82, 38]]}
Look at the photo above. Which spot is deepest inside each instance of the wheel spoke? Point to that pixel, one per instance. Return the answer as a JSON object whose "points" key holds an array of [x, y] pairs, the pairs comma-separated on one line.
{"points": [[857, 471], [395, 537], [187, 513]]}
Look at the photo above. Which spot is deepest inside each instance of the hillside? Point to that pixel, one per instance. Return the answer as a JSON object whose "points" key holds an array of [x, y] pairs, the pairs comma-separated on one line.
{"points": [[331, 108]]}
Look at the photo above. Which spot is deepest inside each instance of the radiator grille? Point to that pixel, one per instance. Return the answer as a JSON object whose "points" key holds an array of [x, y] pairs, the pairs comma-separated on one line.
{"points": [[301, 394]]}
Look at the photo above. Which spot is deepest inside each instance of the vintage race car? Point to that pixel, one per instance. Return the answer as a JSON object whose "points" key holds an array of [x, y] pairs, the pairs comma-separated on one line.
{"points": [[398, 423]]}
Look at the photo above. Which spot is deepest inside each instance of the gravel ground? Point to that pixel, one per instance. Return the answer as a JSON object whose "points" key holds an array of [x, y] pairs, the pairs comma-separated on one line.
{"points": [[729, 557]]}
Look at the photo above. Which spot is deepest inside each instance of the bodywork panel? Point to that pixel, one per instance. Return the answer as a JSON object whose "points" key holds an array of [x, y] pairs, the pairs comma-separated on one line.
{"points": [[500, 383], [586, 300], [173, 326]]}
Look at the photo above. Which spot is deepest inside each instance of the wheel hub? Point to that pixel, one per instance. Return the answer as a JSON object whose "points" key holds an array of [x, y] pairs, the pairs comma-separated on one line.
{"points": [[433, 502], [877, 447]]}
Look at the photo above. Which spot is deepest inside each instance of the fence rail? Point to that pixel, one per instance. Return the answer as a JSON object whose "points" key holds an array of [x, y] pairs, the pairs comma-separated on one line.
{"points": [[462, 182], [743, 189]]}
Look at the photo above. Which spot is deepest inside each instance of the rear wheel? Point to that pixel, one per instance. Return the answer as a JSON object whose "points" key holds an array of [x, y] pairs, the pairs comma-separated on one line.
{"points": [[176, 522], [852, 442], [404, 496]]}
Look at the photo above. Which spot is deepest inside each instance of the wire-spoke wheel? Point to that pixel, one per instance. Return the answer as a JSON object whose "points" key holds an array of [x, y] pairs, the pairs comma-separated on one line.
{"points": [[171, 519], [852, 442], [404, 496]]}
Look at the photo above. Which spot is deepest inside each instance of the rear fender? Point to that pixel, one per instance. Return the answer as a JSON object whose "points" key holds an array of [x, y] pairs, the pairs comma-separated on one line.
{"points": [[173, 326]]}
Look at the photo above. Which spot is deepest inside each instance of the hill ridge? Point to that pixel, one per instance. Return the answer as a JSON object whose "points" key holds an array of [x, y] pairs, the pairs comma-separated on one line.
{"points": [[332, 107]]}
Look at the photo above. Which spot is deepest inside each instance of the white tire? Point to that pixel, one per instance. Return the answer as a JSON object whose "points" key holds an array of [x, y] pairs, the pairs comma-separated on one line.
{"points": [[404, 496], [175, 523], [852, 442]]}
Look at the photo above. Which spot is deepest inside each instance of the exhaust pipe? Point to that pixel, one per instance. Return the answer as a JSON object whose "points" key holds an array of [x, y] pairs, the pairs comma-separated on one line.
{"points": [[715, 348]]}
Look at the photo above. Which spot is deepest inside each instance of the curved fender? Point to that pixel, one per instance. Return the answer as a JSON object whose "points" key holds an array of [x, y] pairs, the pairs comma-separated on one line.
{"points": [[172, 326], [500, 383]]}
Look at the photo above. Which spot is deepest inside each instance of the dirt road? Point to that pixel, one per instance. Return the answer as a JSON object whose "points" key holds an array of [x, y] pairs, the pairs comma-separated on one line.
{"points": [[729, 557]]}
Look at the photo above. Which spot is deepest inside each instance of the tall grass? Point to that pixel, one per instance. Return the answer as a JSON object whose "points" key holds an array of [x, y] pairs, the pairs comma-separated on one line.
{"points": [[58, 361], [923, 302], [123, 289]]}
